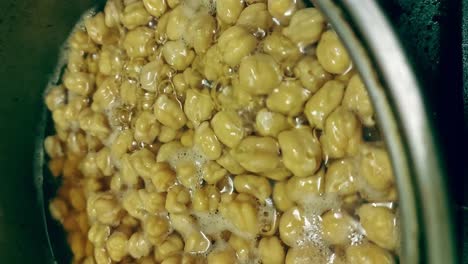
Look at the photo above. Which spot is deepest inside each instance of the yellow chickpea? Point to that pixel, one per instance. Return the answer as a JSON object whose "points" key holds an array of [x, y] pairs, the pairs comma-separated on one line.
{"points": [[186, 172], [101, 256], [341, 177], [229, 10], [152, 74], [129, 175], [138, 245], [259, 74], [332, 55], [177, 54], [200, 32], [311, 74], [357, 100], [242, 213], [133, 204], [77, 61], [342, 134], [236, 43], [379, 224], [255, 18], [299, 188], [77, 243], [301, 151], [55, 98], [228, 162], [228, 127], [288, 98], [369, 254], [169, 112], [375, 168], [183, 223], [212, 64], [168, 150], [309, 254], [156, 228], [269, 123], [53, 147], [282, 10], [205, 139], [206, 199], [281, 49], [178, 199], [147, 128], [103, 161], [168, 134], [112, 12], [58, 209], [178, 22], [170, 247], [281, 196], [305, 27], [128, 93], [80, 40], [98, 234], [138, 42], [98, 30], [257, 154], [198, 106], [254, 185], [271, 250], [153, 202], [323, 102], [337, 227], [135, 15], [155, 7], [105, 95], [196, 243], [105, 208], [79, 82], [291, 226]]}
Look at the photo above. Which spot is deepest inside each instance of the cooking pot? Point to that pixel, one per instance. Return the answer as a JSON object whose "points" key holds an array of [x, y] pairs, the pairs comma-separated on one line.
{"points": [[31, 34]]}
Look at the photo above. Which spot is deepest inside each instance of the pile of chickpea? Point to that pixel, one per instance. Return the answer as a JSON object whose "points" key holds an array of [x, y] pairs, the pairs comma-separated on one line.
{"points": [[227, 131]]}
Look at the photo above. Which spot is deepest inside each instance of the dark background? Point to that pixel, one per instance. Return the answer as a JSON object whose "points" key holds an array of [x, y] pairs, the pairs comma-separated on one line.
{"points": [[30, 37]]}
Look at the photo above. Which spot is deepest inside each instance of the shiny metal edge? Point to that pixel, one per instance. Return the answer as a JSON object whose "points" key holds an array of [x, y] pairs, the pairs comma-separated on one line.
{"points": [[426, 225]]}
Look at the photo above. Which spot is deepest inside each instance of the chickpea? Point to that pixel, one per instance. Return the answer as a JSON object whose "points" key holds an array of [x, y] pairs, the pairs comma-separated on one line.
{"points": [[147, 128], [77, 244], [135, 15], [196, 243], [257, 154], [138, 245], [200, 32], [169, 112], [271, 250], [116, 246], [55, 98], [178, 199], [105, 208], [291, 226], [301, 151], [213, 67], [205, 139], [375, 168], [133, 204], [198, 106], [128, 93], [288, 98], [186, 172], [168, 150], [206, 199], [282, 10], [298, 188], [305, 27], [242, 213], [357, 100], [332, 55], [111, 60], [281, 49], [236, 43], [307, 254], [101, 256], [98, 30], [79, 82], [155, 7], [58, 209], [342, 134], [311, 74], [341, 178], [112, 12], [229, 10], [323, 102], [337, 227], [255, 18], [254, 185], [281, 197], [168, 134], [156, 228], [269, 123], [105, 95], [379, 224], [228, 162], [259, 74], [228, 127], [152, 74], [138, 42], [368, 253], [129, 175], [187, 138], [170, 247], [178, 55], [153, 202]]}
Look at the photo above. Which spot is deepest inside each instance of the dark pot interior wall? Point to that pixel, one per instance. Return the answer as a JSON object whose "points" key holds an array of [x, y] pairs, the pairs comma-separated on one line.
{"points": [[31, 31]]}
